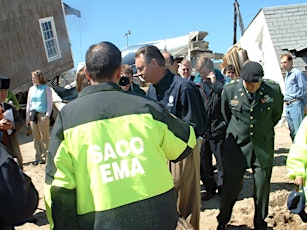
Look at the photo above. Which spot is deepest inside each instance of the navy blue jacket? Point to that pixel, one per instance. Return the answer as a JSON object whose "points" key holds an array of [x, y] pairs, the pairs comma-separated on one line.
{"points": [[182, 98]]}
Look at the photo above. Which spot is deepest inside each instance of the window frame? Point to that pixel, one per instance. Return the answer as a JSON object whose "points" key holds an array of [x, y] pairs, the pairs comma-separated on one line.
{"points": [[50, 39]]}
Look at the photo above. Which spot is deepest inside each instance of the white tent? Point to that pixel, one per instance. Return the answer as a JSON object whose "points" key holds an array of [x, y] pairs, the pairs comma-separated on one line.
{"points": [[275, 31], [258, 43]]}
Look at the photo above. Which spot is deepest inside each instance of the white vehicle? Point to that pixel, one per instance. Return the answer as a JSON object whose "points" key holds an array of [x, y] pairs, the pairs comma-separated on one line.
{"points": [[188, 46]]}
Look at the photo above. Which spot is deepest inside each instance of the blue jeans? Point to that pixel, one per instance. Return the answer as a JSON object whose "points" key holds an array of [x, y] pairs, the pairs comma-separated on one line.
{"points": [[295, 115]]}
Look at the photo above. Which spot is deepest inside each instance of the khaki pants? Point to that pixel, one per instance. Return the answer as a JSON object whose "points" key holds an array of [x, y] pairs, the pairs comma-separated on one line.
{"points": [[186, 174], [40, 132]]}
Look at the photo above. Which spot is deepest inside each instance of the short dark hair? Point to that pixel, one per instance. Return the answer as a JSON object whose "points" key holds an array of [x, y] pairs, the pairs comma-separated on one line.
{"points": [[230, 68], [172, 59], [151, 52], [102, 60]]}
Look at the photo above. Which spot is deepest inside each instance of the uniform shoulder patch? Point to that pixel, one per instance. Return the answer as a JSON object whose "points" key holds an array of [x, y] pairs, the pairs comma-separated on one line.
{"points": [[270, 81], [233, 82]]}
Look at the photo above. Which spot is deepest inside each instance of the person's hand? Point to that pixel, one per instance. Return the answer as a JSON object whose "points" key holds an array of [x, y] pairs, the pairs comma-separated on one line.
{"points": [[27, 122], [299, 181], [212, 77], [5, 124]]}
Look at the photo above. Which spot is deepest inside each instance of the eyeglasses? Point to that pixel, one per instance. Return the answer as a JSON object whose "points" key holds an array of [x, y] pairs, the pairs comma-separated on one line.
{"points": [[185, 69]]}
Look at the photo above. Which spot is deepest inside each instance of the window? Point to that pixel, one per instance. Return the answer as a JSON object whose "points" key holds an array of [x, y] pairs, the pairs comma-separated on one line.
{"points": [[50, 38]]}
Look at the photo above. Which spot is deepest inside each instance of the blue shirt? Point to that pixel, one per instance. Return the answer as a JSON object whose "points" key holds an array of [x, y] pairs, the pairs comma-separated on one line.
{"points": [[40, 100], [295, 86], [227, 79]]}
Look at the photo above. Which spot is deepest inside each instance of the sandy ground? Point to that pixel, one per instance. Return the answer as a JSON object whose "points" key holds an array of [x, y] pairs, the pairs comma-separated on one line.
{"points": [[242, 218]]}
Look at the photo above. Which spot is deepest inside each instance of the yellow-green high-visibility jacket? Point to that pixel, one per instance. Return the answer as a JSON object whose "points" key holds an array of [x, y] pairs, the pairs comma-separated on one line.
{"points": [[297, 158], [106, 167]]}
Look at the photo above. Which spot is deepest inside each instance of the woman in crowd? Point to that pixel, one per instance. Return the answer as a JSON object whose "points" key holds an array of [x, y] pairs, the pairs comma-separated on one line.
{"points": [[81, 80], [39, 108]]}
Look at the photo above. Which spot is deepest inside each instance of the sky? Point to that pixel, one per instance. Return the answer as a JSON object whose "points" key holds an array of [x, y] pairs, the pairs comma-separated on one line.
{"points": [[156, 20]]}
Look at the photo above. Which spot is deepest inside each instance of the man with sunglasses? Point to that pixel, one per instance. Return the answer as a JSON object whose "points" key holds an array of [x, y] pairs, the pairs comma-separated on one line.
{"points": [[186, 69], [230, 73]]}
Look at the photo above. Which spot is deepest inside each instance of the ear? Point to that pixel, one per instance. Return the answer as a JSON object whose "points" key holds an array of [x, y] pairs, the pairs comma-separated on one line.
{"points": [[117, 74], [88, 77], [154, 62]]}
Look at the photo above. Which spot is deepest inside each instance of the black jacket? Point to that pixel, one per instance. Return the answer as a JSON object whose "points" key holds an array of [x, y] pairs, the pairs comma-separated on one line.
{"points": [[216, 128], [136, 89], [18, 196]]}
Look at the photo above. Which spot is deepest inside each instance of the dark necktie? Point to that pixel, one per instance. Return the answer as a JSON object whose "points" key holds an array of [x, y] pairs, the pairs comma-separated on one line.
{"points": [[250, 98]]}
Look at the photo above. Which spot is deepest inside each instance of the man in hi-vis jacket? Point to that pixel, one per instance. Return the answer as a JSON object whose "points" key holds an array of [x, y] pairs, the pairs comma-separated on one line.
{"points": [[107, 163]]}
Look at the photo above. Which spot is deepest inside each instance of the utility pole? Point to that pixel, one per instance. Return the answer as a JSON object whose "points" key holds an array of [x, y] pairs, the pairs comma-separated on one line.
{"points": [[234, 23], [237, 14], [127, 35]]}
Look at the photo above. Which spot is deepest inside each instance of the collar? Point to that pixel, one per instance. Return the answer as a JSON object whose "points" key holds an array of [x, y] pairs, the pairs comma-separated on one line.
{"points": [[246, 91], [243, 96], [165, 82], [106, 86], [290, 71], [258, 90]]}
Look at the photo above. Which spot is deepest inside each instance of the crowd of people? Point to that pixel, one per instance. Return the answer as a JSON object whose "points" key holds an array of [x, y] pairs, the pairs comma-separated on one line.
{"points": [[122, 157]]}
